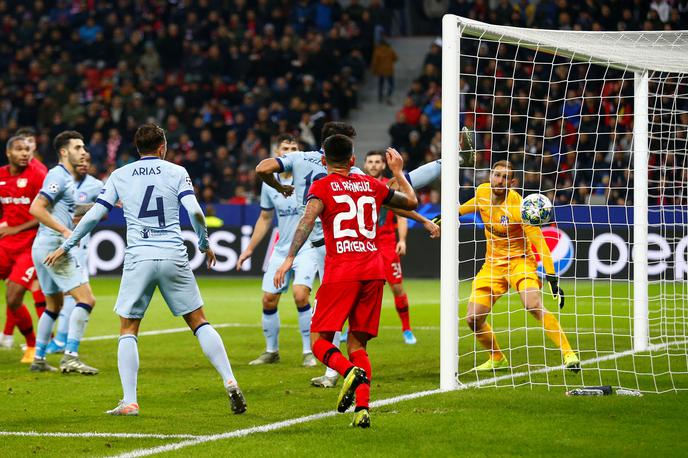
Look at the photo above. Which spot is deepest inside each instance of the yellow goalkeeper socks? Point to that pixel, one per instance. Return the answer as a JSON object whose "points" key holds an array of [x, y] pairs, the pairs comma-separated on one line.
{"points": [[488, 339], [555, 333]]}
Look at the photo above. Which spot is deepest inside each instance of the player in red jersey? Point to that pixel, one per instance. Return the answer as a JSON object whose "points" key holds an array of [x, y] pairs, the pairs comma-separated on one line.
{"points": [[352, 286], [29, 134], [19, 184], [6, 338], [390, 249]]}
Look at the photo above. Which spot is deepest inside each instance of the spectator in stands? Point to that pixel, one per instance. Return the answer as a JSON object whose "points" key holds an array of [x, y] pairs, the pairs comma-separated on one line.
{"points": [[384, 58]]}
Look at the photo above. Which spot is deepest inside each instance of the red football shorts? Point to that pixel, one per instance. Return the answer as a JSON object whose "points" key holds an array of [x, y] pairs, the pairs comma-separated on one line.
{"points": [[358, 301], [17, 267], [392, 263]]}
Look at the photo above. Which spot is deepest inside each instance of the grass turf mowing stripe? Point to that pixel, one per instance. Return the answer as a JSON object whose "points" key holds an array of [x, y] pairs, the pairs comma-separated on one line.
{"points": [[383, 402], [94, 434]]}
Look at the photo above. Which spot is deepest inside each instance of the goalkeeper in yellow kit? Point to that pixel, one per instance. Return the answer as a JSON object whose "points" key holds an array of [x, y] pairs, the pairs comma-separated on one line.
{"points": [[510, 261]]}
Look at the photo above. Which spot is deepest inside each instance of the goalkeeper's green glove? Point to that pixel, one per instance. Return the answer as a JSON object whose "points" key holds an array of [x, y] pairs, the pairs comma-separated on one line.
{"points": [[437, 219], [557, 292]]}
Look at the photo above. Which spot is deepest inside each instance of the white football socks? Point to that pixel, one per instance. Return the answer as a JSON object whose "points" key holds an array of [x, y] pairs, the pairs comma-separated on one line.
{"points": [[77, 326], [271, 328], [214, 350], [305, 327], [63, 320], [45, 328], [128, 365]]}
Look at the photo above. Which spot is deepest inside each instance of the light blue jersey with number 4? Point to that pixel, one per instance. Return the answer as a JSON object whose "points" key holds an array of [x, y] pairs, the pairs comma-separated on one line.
{"points": [[306, 167], [150, 190]]}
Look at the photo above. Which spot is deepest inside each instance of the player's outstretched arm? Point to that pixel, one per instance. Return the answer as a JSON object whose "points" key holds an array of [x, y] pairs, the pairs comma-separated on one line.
{"points": [[314, 208], [266, 170], [429, 226], [535, 237], [405, 198], [85, 226], [261, 228], [12, 230], [39, 210]]}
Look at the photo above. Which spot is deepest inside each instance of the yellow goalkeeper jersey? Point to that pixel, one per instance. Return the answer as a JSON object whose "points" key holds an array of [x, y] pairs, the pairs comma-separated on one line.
{"points": [[507, 236]]}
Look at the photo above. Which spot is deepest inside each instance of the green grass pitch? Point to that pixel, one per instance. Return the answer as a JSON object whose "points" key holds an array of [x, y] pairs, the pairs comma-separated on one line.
{"points": [[180, 393]]}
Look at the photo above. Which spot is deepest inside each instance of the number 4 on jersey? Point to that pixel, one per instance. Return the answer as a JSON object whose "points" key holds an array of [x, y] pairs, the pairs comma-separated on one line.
{"points": [[159, 210]]}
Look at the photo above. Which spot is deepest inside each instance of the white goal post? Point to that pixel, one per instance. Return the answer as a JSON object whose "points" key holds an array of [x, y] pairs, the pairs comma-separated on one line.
{"points": [[644, 66]]}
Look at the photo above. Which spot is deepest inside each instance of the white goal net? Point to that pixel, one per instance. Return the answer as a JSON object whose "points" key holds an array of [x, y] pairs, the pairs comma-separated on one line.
{"points": [[598, 123]]}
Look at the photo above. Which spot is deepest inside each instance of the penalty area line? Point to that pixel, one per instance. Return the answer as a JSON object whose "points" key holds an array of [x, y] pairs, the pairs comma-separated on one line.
{"points": [[159, 332], [383, 402]]}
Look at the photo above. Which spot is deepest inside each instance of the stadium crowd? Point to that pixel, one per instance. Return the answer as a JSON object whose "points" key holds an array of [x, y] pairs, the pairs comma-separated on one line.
{"points": [[223, 78], [569, 133]]}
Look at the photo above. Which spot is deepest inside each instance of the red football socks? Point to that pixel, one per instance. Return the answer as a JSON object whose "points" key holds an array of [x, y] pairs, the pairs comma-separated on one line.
{"points": [[330, 356], [360, 359], [10, 321], [25, 325], [401, 304], [39, 301]]}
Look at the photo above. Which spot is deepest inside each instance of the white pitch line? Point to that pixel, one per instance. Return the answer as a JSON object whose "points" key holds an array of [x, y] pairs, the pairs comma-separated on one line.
{"points": [[172, 331], [94, 434], [383, 402], [159, 332]]}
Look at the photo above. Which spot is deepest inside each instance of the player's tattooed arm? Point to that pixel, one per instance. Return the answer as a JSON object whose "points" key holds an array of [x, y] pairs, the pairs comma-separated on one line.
{"points": [[400, 200], [266, 170], [303, 230]]}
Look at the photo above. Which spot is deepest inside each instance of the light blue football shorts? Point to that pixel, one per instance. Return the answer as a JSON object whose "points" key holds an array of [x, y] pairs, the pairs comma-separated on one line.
{"points": [[174, 278], [321, 261], [81, 256], [64, 276], [303, 271]]}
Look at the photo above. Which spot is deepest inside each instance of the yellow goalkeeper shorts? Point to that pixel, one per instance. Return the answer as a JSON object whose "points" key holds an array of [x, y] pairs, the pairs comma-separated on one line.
{"points": [[496, 276]]}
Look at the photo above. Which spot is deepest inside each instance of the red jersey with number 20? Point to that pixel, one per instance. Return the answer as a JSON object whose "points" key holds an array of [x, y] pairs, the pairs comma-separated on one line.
{"points": [[349, 218]]}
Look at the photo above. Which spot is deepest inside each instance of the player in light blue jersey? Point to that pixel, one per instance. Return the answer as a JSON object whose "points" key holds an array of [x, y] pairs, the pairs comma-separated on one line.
{"points": [[87, 189], [54, 209], [425, 174], [305, 265], [307, 167], [151, 190]]}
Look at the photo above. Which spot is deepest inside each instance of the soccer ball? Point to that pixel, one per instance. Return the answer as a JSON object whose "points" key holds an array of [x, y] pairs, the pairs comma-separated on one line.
{"points": [[536, 210]]}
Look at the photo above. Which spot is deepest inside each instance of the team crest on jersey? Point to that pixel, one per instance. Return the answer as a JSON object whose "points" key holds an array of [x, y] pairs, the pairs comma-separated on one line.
{"points": [[22, 182], [53, 187], [504, 220], [82, 197]]}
